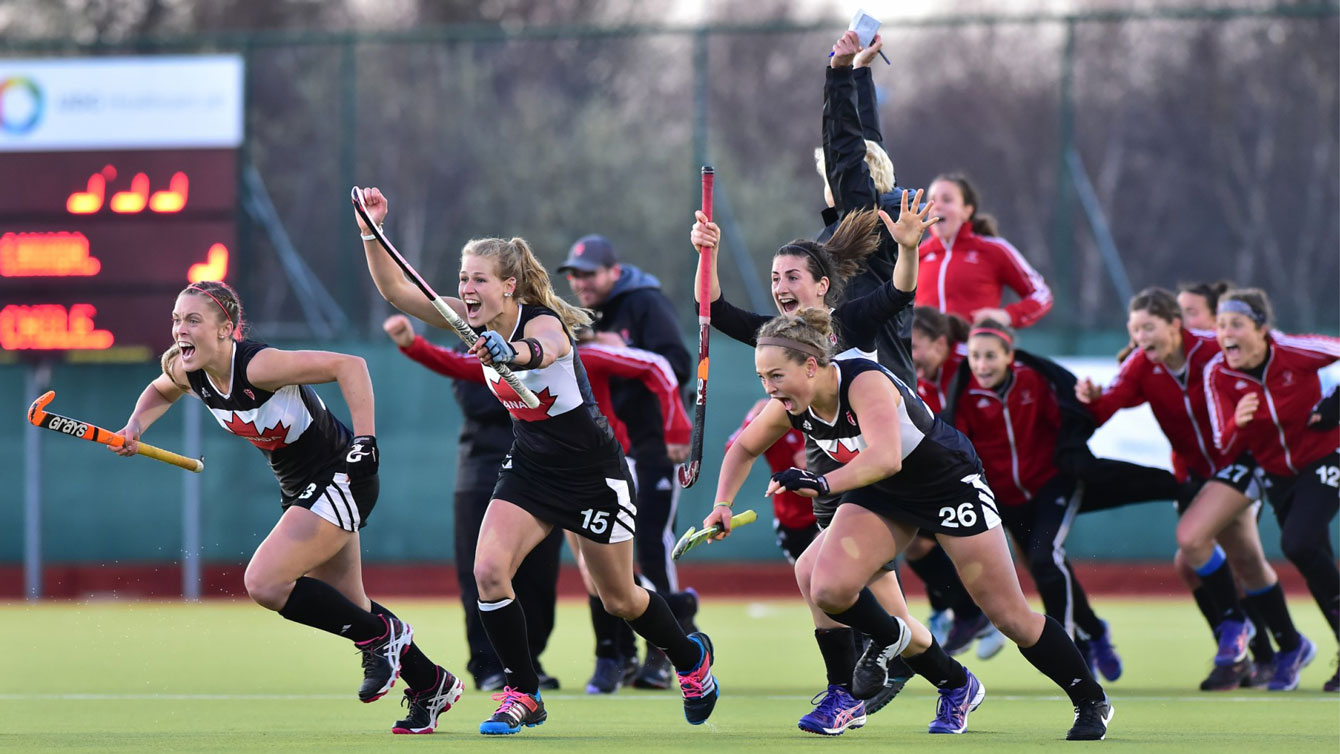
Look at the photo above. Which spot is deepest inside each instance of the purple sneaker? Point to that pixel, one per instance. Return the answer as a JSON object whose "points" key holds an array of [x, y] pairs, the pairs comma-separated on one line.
{"points": [[951, 716], [1104, 656], [834, 713], [1289, 664], [964, 631], [1233, 636]]}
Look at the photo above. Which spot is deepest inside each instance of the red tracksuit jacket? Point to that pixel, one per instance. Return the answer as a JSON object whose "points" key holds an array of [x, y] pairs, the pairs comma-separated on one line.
{"points": [[1180, 409], [1277, 435], [970, 274], [933, 391], [601, 363], [1015, 437]]}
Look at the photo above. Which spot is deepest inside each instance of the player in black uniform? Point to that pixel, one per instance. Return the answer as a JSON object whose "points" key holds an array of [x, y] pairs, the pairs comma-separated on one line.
{"points": [[308, 569], [900, 469], [565, 469]]}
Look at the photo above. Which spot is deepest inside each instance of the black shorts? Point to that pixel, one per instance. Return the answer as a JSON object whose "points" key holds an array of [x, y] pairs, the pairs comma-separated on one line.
{"points": [[1243, 475], [595, 500], [968, 508], [338, 499], [1316, 484], [793, 541]]}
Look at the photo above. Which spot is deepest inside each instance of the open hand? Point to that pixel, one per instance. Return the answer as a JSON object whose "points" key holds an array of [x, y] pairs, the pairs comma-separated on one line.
{"points": [[912, 223]]}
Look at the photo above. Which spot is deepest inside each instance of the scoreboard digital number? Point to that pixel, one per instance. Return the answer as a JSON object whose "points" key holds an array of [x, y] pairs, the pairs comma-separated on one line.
{"points": [[120, 189]]}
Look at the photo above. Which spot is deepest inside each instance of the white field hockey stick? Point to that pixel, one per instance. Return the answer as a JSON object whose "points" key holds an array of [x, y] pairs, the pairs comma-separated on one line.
{"points": [[40, 417], [692, 538], [461, 327]]}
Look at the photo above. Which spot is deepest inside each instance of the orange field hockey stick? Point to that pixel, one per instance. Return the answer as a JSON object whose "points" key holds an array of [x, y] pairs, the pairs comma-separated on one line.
{"points": [[38, 415]]}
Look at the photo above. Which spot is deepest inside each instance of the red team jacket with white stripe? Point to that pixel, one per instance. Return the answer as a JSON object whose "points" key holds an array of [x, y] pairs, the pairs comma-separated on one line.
{"points": [[601, 362], [1178, 404], [1015, 436], [933, 392], [969, 275], [1277, 435]]}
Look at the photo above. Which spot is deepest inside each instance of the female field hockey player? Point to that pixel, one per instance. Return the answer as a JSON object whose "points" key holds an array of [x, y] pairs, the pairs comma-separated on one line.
{"points": [[1166, 370], [565, 469], [1262, 388], [902, 469], [308, 569]]}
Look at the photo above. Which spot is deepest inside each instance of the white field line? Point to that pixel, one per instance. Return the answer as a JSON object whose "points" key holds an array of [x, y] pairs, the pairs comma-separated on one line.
{"points": [[665, 698]]}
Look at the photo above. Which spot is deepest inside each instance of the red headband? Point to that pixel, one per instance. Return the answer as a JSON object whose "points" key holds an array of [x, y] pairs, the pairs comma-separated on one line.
{"points": [[1009, 341], [216, 300]]}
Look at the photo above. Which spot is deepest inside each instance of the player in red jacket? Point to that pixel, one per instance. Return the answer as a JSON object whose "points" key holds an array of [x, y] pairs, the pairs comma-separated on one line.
{"points": [[1165, 370], [965, 266], [1012, 415], [939, 344], [1261, 390]]}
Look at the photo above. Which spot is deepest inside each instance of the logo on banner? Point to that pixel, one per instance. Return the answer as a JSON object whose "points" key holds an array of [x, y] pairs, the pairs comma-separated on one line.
{"points": [[21, 105]]}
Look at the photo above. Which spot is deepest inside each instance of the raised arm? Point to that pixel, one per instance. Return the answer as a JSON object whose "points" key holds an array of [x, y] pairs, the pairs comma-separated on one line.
{"points": [[706, 233], [653, 371], [391, 282], [153, 402], [272, 369]]}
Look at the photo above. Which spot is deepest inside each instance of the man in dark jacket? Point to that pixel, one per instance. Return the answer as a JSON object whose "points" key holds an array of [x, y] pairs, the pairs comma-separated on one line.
{"points": [[632, 311]]}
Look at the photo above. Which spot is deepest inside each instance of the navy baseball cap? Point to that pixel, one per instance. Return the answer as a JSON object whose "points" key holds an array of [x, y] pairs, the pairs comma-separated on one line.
{"points": [[589, 254]]}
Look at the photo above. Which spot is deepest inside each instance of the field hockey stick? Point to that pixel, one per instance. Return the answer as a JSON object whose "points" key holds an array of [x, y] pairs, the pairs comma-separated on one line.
{"points": [[40, 417], [461, 327], [692, 538], [688, 472]]}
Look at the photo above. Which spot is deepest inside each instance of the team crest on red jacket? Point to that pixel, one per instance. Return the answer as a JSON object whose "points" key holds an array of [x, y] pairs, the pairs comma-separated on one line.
{"points": [[271, 438], [842, 449]]}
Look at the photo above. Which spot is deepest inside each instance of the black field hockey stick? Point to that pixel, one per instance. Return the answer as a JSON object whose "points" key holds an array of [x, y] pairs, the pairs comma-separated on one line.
{"points": [[688, 472]]}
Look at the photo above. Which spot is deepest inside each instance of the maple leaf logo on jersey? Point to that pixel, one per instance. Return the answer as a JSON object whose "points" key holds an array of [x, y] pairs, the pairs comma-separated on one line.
{"points": [[517, 407], [272, 438], [842, 449]]}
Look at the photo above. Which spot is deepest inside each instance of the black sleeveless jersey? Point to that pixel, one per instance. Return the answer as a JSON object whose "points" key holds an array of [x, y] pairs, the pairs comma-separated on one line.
{"points": [[566, 429], [291, 426], [936, 456]]}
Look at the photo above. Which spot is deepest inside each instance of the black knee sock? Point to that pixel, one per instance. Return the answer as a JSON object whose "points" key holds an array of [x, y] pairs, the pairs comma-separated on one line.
{"points": [[625, 641], [1271, 614], [1057, 657], [936, 571], [418, 671], [606, 629], [1217, 581], [1085, 619], [870, 618], [658, 626], [839, 653], [505, 623], [939, 668], [1206, 606], [319, 605]]}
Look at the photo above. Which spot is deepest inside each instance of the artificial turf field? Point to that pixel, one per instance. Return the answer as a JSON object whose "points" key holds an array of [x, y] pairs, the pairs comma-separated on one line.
{"points": [[232, 677]]}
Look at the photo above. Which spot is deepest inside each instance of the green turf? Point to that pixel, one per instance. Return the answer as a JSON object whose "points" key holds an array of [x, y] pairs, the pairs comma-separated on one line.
{"points": [[229, 677]]}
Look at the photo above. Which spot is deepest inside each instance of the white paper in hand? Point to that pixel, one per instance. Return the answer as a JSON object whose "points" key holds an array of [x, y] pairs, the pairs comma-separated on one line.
{"points": [[865, 26]]}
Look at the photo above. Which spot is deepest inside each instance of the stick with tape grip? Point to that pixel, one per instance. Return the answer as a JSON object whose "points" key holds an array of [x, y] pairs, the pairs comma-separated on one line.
{"points": [[688, 472], [692, 538], [461, 327], [40, 417]]}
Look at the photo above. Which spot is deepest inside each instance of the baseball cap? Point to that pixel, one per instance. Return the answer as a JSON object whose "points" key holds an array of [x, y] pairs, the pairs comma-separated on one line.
{"points": [[590, 253]]}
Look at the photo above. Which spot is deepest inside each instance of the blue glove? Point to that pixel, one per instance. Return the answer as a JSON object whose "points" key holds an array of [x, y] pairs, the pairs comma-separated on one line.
{"points": [[500, 350], [799, 479]]}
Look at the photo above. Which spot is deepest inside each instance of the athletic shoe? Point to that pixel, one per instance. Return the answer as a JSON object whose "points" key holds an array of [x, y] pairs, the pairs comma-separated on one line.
{"points": [[547, 682], [698, 686], [1289, 664], [517, 709], [1227, 677], [872, 670], [1334, 683], [1104, 655], [964, 631], [426, 706], [834, 712], [1091, 719], [630, 670], [655, 674], [607, 676], [381, 658], [1260, 674], [990, 645], [490, 682], [939, 624], [899, 675], [951, 714], [1233, 636]]}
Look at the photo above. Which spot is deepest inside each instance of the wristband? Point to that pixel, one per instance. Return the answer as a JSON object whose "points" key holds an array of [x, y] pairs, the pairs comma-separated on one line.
{"points": [[370, 236], [724, 503], [536, 354]]}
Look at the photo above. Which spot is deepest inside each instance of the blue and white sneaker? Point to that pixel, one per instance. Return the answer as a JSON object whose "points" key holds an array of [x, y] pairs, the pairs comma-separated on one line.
{"points": [[939, 624], [835, 710], [698, 686], [951, 716], [1103, 655], [990, 645], [1289, 664]]}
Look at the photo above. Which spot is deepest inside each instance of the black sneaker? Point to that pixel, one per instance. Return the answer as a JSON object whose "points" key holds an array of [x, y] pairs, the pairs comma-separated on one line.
{"points": [[899, 674], [517, 709], [1091, 719], [607, 676], [655, 673], [381, 659], [1260, 674], [699, 686], [547, 682], [872, 670], [426, 706], [491, 682], [1227, 677], [630, 670]]}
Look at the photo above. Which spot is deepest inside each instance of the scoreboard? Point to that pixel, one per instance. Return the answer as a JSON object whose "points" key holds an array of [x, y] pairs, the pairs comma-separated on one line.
{"points": [[118, 187]]}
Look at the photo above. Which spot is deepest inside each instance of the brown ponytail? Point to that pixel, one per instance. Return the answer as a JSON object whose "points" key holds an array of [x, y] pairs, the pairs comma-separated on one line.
{"points": [[841, 255]]}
